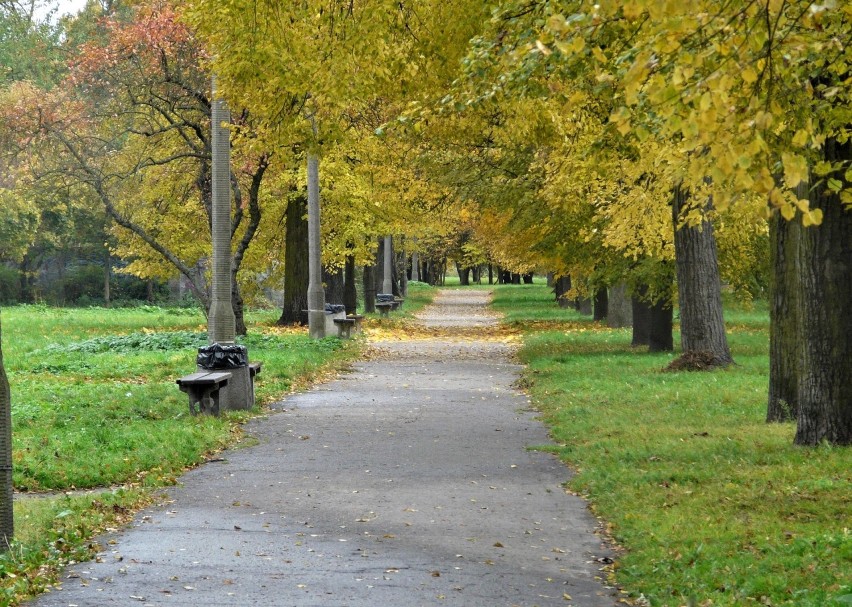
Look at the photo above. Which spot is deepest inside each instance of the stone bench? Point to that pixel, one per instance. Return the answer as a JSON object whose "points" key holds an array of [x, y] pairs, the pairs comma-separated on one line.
{"points": [[345, 325], [203, 390], [385, 306]]}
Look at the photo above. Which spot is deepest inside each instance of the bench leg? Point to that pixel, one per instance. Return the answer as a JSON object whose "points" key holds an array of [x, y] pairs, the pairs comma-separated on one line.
{"points": [[204, 400]]}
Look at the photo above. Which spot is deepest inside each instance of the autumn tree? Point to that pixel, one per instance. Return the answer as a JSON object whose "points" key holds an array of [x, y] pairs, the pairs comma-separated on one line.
{"points": [[755, 97], [130, 126]]}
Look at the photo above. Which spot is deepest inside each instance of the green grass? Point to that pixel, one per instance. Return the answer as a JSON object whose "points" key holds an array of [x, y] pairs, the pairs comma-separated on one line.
{"points": [[95, 404], [712, 505]]}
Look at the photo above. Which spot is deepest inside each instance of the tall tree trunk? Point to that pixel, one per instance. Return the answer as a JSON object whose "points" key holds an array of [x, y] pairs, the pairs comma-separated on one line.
{"points": [[619, 311], [652, 322], [563, 285], [415, 265], [402, 271], [601, 304], [702, 327], [784, 345], [238, 306], [516, 279], [490, 274], [369, 289], [295, 308], [824, 319], [641, 312], [7, 524], [660, 327], [477, 274], [464, 275], [334, 285], [350, 292]]}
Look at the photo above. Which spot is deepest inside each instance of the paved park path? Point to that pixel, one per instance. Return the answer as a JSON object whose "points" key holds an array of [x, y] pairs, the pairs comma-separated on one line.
{"points": [[404, 483]]}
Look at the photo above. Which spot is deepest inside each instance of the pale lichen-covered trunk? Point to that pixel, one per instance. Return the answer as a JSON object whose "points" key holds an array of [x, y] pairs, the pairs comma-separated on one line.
{"points": [[7, 524], [702, 327], [824, 319], [619, 311]]}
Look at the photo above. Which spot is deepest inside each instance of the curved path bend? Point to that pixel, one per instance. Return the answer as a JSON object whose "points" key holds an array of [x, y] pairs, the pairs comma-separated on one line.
{"points": [[407, 482]]}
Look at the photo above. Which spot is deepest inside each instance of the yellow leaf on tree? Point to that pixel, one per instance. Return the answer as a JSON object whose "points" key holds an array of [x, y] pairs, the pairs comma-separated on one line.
{"points": [[788, 211], [749, 75], [822, 168], [795, 169], [812, 218], [800, 139]]}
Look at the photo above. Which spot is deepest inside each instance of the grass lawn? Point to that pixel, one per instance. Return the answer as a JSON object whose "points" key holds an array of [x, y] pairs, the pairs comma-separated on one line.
{"points": [[711, 505], [95, 404]]}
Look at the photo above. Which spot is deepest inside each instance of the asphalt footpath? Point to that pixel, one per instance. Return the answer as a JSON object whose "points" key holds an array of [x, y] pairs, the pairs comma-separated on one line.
{"points": [[409, 481]]}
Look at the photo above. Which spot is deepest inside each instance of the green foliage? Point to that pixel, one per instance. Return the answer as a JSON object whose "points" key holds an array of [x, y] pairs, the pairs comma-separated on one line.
{"points": [[94, 395], [10, 285], [712, 505]]}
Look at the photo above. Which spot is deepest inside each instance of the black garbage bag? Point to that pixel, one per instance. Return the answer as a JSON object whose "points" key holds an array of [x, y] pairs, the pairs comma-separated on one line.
{"points": [[334, 308], [217, 356]]}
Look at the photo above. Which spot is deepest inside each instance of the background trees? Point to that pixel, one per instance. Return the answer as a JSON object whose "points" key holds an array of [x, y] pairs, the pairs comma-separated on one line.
{"points": [[637, 143]]}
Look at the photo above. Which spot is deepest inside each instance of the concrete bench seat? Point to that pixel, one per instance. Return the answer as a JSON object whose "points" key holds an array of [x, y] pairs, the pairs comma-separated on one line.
{"points": [[203, 390]]}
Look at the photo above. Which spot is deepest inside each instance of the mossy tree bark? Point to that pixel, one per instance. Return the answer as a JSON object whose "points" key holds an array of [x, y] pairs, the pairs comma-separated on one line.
{"points": [[702, 327], [7, 523], [824, 320], [295, 308]]}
